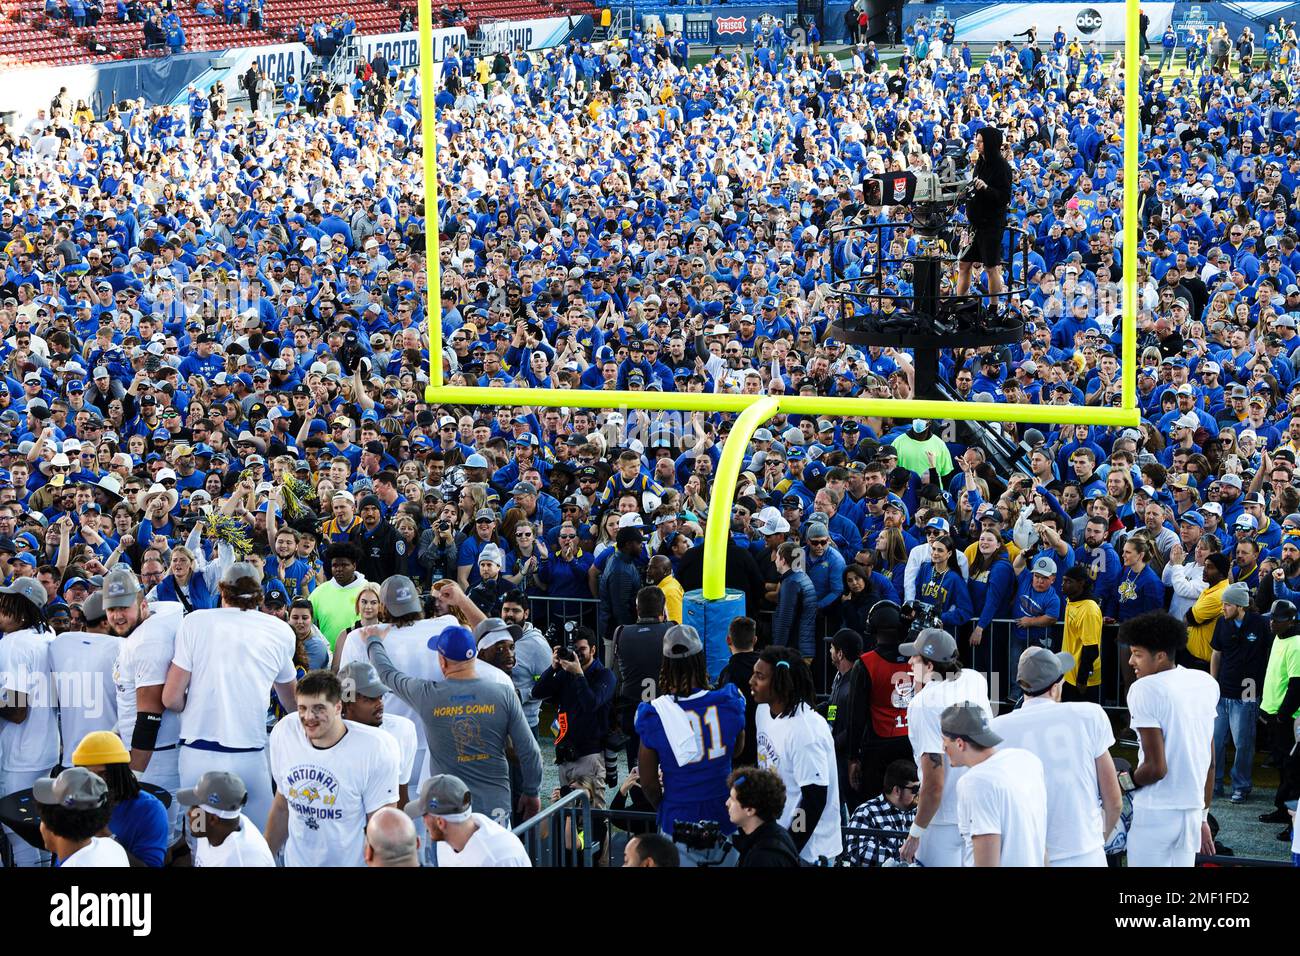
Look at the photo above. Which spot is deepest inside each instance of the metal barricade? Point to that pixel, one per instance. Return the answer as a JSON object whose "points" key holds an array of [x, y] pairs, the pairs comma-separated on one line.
{"points": [[561, 835], [547, 612], [994, 660]]}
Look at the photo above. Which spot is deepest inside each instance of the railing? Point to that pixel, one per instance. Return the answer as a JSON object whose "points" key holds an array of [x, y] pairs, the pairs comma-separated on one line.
{"points": [[546, 611], [561, 835]]}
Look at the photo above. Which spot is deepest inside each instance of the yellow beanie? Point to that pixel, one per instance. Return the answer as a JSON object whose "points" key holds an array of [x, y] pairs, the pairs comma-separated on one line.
{"points": [[100, 747]]}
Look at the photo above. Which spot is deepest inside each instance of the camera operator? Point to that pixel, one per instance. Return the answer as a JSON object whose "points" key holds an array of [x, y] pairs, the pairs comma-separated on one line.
{"points": [[582, 689], [755, 804], [986, 211]]}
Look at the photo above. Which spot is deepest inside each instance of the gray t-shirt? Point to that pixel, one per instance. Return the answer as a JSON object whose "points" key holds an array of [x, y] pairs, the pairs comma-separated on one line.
{"points": [[467, 724]]}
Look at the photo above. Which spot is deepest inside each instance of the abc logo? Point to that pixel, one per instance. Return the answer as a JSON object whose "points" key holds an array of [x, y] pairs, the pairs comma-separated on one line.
{"points": [[1088, 20]]}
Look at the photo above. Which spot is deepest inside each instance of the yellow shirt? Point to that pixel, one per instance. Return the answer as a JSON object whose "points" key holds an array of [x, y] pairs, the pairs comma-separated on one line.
{"points": [[673, 594], [1208, 608], [1082, 629], [972, 549]]}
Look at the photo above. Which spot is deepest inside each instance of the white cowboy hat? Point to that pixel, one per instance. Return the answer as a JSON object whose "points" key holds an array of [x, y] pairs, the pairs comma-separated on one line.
{"points": [[155, 490]]}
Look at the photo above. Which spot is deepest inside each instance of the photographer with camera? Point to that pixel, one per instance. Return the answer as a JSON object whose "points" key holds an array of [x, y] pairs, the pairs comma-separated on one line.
{"points": [[582, 689], [986, 211]]}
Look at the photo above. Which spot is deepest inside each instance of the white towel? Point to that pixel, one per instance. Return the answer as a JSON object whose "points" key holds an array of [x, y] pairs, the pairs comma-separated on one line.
{"points": [[679, 730]]}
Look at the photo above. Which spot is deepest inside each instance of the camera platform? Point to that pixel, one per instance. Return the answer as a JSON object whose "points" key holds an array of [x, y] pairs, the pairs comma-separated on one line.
{"points": [[923, 319]]}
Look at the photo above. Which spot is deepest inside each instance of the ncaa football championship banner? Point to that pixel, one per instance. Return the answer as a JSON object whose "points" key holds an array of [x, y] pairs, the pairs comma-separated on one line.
{"points": [[988, 23], [504, 36]]}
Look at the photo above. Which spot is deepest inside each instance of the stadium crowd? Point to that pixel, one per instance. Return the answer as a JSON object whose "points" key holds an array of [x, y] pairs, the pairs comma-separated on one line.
{"points": [[214, 433]]}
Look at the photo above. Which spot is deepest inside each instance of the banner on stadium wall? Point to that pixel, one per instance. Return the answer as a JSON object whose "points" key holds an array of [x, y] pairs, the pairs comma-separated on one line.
{"points": [[989, 22], [504, 35], [402, 50]]}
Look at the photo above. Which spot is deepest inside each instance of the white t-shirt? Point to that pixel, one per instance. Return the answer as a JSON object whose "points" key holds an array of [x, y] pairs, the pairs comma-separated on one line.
{"points": [[491, 845], [403, 733], [408, 649], [234, 657], [926, 736], [1005, 795], [331, 791], [25, 669], [143, 661], [1067, 739], [82, 667], [100, 851], [245, 847], [801, 749], [1183, 704]]}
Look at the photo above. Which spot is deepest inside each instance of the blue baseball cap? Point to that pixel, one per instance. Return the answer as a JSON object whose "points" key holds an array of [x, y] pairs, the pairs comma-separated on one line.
{"points": [[455, 643], [1193, 517]]}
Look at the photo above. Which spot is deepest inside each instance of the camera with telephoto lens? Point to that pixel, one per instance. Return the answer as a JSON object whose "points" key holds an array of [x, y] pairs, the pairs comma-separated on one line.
{"points": [[703, 835]]}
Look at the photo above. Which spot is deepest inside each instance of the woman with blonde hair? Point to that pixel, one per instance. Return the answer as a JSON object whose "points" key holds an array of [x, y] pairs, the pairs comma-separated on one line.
{"points": [[369, 611]]}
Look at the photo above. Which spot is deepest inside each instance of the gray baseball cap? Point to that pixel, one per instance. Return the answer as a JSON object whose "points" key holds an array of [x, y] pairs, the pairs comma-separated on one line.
{"points": [[29, 588], [1046, 567], [400, 595], [934, 644], [121, 588], [682, 641], [76, 789], [219, 792], [1237, 594], [1039, 669], [239, 570], [93, 608], [362, 678], [492, 630], [441, 795], [969, 721]]}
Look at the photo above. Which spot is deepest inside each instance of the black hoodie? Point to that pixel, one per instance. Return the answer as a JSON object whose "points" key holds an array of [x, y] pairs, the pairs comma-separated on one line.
{"points": [[988, 207]]}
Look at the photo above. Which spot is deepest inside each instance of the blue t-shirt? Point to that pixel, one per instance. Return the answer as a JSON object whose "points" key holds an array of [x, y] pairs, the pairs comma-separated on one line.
{"points": [[697, 790], [140, 826]]}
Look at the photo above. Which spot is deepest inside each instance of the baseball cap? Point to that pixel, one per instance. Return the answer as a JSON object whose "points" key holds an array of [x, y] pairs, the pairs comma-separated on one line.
{"points": [[1046, 567], [491, 630], [441, 795], [74, 789], [29, 588], [933, 644], [362, 678], [1193, 517], [455, 643], [682, 641], [1039, 669], [968, 721], [399, 595], [218, 792], [239, 570]]}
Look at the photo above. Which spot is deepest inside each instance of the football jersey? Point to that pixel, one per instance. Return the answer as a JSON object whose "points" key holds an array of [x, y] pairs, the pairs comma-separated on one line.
{"points": [[143, 661], [82, 665], [234, 658], [696, 790], [25, 669]]}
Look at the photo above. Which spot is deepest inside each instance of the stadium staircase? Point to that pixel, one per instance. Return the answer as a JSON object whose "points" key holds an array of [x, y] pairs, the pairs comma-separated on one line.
{"points": [[29, 38]]}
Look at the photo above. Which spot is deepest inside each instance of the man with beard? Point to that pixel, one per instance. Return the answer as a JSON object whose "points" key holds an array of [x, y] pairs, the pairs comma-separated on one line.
{"points": [[149, 729], [363, 701], [880, 688], [531, 652]]}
